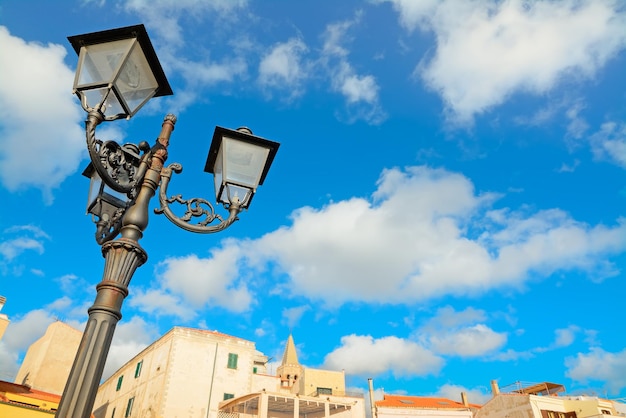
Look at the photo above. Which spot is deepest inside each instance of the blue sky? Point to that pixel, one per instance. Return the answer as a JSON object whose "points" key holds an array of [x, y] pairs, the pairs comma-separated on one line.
{"points": [[446, 207]]}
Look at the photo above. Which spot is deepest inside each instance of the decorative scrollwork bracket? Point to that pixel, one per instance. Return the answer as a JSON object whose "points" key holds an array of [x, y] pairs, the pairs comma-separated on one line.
{"points": [[197, 209]]}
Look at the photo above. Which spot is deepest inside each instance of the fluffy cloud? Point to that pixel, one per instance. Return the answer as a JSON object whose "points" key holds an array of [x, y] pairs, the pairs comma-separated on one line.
{"points": [[475, 396], [43, 117], [414, 234], [198, 282], [609, 143], [599, 365], [487, 50], [282, 67], [398, 356], [424, 234], [360, 91], [17, 240], [460, 333], [292, 316], [565, 336], [161, 16], [448, 334]]}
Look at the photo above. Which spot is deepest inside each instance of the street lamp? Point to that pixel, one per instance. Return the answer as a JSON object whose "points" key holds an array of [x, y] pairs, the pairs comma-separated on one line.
{"points": [[118, 72]]}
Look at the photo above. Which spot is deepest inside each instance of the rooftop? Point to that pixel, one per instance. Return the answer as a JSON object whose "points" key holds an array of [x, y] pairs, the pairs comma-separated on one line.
{"points": [[400, 401]]}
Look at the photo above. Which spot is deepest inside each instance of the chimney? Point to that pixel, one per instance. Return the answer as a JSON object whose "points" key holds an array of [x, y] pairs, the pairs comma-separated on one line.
{"points": [[464, 399], [372, 404], [495, 390], [2, 302]]}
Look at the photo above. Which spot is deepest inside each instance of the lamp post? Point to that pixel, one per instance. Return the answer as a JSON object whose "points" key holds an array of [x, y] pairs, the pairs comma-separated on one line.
{"points": [[118, 72]]}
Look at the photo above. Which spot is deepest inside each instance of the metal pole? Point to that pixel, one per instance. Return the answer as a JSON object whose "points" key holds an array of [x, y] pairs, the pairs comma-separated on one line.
{"points": [[122, 257]]}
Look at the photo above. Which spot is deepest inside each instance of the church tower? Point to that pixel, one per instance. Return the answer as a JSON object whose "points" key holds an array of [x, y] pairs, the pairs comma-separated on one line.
{"points": [[290, 369]]}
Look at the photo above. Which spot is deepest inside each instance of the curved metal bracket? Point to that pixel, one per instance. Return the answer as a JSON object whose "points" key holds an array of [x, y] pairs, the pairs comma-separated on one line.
{"points": [[111, 160], [195, 208]]}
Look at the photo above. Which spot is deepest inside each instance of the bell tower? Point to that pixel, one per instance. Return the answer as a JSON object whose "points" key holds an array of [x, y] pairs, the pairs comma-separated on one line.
{"points": [[290, 370]]}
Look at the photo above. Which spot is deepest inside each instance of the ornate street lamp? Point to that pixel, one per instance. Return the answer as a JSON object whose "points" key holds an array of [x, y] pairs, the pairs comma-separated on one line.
{"points": [[118, 72]]}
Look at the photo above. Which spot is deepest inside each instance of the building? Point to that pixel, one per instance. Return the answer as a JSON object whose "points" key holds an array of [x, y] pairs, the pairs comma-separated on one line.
{"points": [[307, 381], [185, 373], [4, 320], [48, 361], [19, 401], [542, 400], [194, 373], [288, 405], [295, 392], [398, 406]]}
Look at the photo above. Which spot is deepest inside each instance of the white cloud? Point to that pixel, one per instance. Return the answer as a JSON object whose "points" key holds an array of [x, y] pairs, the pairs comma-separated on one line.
{"points": [[357, 88], [564, 337], [209, 73], [409, 243], [12, 248], [17, 240], [282, 67], [460, 333], [359, 91], [599, 365], [472, 341], [292, 315], [398, 356], [609, 143], [159, 302], [163, 16], [488, 51], [199, 281], [43, 117], [475, 396]]}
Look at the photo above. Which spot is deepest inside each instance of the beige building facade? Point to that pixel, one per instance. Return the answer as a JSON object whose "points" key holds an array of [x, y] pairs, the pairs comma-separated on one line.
{"points": [[307, 381], [195, 373], [48, 361], [542, 400], [296, 392], [185, 373], [4, 320]]}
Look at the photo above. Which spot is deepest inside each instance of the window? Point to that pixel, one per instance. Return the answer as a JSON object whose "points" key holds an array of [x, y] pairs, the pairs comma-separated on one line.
{"points": [[324, 391], [228, 396], [129, 407], [232, 361], [113, 413], [138, 369], [119, 383], [254, 370]]}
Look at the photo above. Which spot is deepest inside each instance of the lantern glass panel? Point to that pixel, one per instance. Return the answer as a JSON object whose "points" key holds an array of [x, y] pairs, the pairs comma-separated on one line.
{"points": [[217, 178], [112, 105], [95, 187], [136, 83], [243, 162], [99, 63], [232, 193], [102, 197]]}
